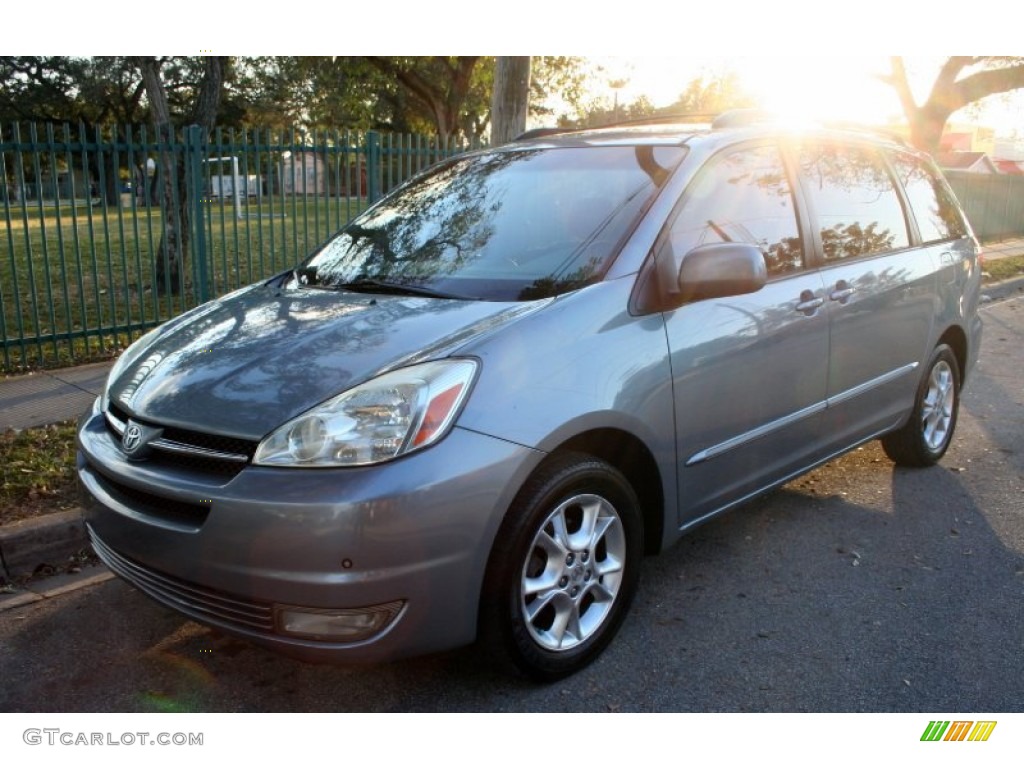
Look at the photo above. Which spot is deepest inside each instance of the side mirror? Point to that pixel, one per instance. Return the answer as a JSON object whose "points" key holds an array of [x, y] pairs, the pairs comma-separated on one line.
{"points": [[722, 269]]}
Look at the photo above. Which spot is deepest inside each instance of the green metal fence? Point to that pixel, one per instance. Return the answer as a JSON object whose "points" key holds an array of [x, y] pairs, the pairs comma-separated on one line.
{"points": [[994, 203], [85, 216]]}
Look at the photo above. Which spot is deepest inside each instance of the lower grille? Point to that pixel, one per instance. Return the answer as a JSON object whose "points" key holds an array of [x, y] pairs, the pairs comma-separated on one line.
{"points": [[171, 510], [197, 602]]}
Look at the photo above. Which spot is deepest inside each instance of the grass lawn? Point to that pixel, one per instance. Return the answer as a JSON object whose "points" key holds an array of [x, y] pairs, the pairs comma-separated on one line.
{"points": [[76, 281], [1008, 267]]}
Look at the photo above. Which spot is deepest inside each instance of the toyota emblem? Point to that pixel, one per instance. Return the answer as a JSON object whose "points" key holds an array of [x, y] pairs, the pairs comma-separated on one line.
{"points": [[132, 439], [137, 439]]}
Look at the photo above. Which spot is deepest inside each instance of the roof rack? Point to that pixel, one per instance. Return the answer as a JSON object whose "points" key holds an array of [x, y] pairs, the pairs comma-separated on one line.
{"points": [[669, 119], [889, 133], [536, 133], [733, 118], [665, 119], [737, 118]]}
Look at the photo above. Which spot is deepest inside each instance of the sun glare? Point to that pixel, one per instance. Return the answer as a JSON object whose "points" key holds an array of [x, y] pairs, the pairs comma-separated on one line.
{"points": [[822, 89], [803, 89]]}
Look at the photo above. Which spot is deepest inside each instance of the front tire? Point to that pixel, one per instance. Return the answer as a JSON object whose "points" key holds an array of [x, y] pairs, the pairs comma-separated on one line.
{"points": [[564, 567], [923, 440]]}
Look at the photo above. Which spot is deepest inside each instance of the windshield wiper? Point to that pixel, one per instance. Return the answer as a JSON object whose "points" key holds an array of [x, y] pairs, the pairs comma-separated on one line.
{"points": [[368, 285]]}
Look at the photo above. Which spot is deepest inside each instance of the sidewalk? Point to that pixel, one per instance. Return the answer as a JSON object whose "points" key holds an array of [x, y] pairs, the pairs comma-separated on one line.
{"points": [[1004, 248], [46, 397]]}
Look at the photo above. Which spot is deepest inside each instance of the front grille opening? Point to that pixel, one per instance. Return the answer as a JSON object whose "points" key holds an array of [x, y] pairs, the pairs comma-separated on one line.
{"points": [[170, 510]]}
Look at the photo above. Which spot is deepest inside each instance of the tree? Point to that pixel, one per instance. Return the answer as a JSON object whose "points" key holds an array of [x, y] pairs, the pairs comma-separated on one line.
{"points": [[172, 254], [438, 86], [86, 94], [41, 88], [557, 78], [705, 95], [962, 80], [711, 95], [398, 94], [90, 91], [320, 91], [510, 99]]}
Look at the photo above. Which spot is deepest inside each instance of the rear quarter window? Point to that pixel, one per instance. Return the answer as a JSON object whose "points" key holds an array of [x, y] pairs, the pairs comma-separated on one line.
{"points": [[935, 210]]}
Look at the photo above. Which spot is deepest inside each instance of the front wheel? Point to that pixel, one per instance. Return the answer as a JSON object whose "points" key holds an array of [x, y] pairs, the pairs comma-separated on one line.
{"points": [[923, 440], [564, 567]]}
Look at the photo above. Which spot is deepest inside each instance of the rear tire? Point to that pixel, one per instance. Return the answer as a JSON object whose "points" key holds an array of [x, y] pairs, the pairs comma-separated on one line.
{"points": [[564, 567], [923, 440]]}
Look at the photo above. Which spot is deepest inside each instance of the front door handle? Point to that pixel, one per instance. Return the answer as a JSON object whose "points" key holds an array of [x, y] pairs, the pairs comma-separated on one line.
{"points": [[842, 292], [809, 303]]}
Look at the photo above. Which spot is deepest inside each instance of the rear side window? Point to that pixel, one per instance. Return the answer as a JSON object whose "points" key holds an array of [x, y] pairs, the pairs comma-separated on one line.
{"points": [[741, 197], [938, 217], [857, 207]]}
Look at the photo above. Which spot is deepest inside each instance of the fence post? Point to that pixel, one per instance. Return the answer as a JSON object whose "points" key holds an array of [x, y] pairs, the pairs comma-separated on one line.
{"points": [[373, 167], [194, 189]]}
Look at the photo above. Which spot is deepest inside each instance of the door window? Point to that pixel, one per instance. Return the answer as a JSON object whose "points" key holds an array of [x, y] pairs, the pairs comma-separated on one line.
{"points": [[858, 210], [743, 197], [937, 215]]}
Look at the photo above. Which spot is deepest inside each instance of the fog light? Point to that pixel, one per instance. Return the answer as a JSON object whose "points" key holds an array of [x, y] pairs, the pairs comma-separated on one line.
{"points": [[347, 625]]}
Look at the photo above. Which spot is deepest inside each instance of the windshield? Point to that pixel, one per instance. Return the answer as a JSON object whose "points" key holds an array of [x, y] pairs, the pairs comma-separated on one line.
{"points": [[505, 226]]}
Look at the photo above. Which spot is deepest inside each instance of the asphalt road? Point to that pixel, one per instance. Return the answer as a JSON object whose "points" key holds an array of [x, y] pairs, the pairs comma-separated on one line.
{"points": [[858, 587]]}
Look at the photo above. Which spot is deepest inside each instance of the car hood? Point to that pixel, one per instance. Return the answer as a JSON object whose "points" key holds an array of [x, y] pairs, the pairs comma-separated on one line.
{"points": [[245, 364]]}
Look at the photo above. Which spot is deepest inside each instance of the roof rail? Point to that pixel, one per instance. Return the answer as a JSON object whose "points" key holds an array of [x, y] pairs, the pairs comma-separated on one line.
{"points": [[733, 118], [536, 133], [673, 117], [677, 117], [889, 133], [737, 118]]}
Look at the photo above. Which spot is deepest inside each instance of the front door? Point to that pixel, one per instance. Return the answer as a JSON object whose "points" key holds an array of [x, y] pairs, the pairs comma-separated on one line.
{"points": [[749, 372]]}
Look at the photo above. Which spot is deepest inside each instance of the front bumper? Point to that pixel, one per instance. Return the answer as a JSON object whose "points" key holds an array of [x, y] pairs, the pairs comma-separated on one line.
{"points": [[232, 553]]}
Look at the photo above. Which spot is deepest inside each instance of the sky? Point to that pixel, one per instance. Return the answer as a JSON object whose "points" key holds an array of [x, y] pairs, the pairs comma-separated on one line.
{"points": [[809, 59], [822, 87]]}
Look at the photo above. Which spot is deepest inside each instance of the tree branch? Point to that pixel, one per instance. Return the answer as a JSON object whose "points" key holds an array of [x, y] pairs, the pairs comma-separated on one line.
{"points": [[988, 83]]}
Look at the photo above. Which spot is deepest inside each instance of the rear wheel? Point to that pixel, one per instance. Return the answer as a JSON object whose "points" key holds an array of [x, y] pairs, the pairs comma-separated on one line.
{"points": [[923, 440], [564, 567]]}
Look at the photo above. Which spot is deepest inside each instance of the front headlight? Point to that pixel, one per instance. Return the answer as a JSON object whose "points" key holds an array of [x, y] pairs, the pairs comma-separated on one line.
{"points": [[386, 417]]}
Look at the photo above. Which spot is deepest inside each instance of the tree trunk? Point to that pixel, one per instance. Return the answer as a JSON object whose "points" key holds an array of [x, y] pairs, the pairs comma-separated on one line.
{"points": [[510, 98], [951, 91], [926, 127], [173, 249], [172, 253]]}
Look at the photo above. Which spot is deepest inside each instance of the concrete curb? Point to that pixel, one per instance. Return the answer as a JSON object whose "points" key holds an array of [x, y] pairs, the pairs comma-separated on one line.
{"points": [[1002, 290], [47, 540], [55, 587]]}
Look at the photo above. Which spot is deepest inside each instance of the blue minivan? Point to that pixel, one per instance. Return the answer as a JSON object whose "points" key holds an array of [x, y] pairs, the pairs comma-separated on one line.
{"points": [[472, 411]]}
